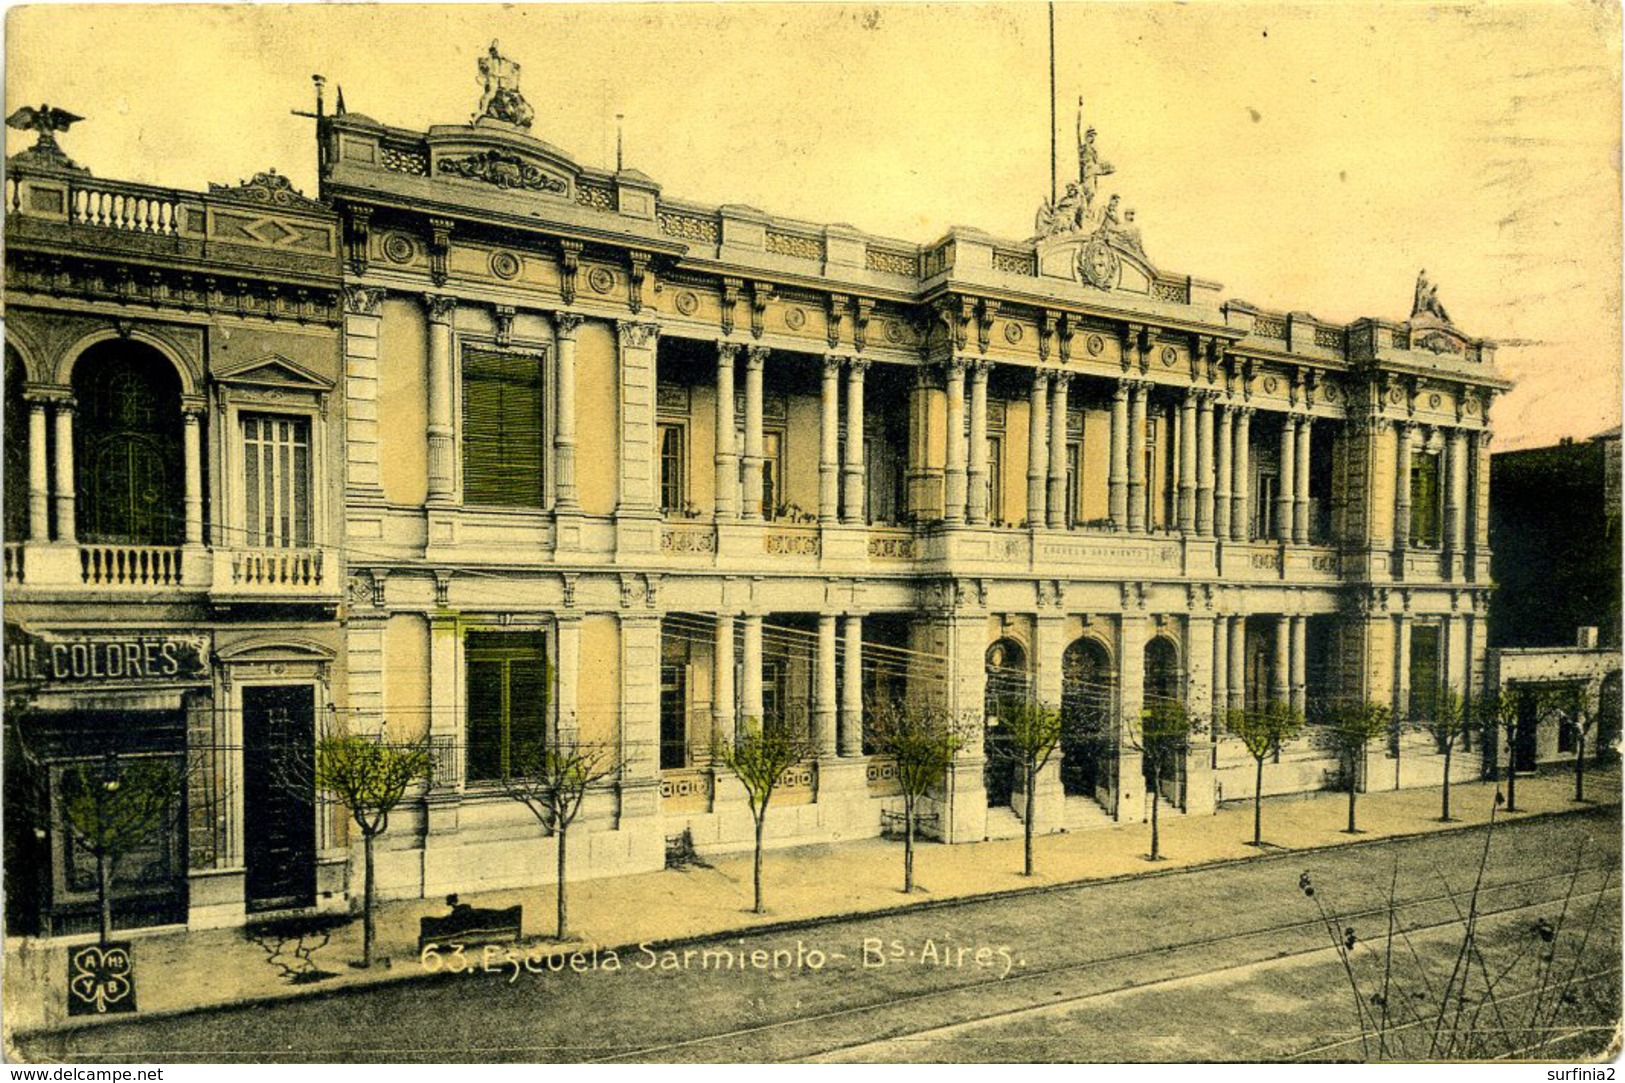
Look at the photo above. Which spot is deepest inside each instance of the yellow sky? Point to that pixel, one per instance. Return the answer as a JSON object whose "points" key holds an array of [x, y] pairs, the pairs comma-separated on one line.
{"points": [[1309, 157]]}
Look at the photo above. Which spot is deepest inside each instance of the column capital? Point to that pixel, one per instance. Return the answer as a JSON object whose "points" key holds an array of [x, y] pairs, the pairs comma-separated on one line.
{"points": [[980, 367], [190, 411], [727, 351], [955, 366], [1062, 378], [1120, 390], [364, 300], [637, 334], [858, 366], [440, 306], [756, 356], [39, 398], [832, 365], [566, 323]]}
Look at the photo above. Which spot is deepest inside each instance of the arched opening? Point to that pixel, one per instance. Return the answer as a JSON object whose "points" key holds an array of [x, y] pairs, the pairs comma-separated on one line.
{"points": [[16, 450], [1162, 686], [127, 446], [1007, 686], [1608, 718], [1088, 696]]}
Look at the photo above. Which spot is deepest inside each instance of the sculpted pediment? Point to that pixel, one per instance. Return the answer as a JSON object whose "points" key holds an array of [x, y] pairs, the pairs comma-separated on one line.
{"points": [[1097, 260], [273, 371], [501, 159]]}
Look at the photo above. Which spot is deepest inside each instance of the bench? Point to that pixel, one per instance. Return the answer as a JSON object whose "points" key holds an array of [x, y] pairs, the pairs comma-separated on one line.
{"points": [[470, 925]]}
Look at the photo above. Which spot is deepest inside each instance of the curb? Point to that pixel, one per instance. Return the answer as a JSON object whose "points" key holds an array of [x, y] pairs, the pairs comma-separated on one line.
{"points": [[793, 924]]}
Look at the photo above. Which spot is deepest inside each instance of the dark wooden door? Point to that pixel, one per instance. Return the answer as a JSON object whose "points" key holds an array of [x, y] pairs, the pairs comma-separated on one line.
{"points": [[279, 796]]}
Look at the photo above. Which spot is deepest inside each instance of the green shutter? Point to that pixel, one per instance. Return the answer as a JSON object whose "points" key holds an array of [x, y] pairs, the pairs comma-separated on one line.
{"points": [[502, 429]]}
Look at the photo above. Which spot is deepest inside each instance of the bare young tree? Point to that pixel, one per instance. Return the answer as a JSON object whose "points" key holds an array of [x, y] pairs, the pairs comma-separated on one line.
{"points": [[1347, 731], [369, 776], [921, 735], [1501, 712], [552, 781], [1263, 731], [1162, 738], [113, 808], [1575, 708], [1446, 722], [758, 756], [1031, 733]]}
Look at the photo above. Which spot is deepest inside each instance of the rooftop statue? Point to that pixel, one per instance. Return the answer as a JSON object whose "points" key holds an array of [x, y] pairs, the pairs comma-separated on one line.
{"points": [[1090, 167], [1426, 303], [1075, 209], [500, 99], [46, 121]]}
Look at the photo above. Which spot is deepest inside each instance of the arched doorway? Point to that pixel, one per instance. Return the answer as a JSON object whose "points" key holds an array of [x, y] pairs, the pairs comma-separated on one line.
{"points": [[1162, 686], [127, 446], [1088, 696], [1007, 686], [16, 450]]}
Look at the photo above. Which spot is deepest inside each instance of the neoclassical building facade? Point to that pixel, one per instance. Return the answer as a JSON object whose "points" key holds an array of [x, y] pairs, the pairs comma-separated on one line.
{"points": [[626, 470]]}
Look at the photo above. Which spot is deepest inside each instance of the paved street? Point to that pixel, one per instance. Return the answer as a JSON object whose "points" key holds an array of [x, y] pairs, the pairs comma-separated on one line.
{"points": [[1232, 962]]}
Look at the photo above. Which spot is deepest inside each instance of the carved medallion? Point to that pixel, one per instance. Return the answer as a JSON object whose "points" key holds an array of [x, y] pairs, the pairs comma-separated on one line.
{"points": [[687, 303], [1328, 392], [1434, 400], [1470, 407], [505, 171], [1012, 333], [1169, 356], [504, 264], [601, 279], [895, 332], [1094, 344], [1098, 264], [398, 248], [795, 319], [1270, 384], [1396, 396]]}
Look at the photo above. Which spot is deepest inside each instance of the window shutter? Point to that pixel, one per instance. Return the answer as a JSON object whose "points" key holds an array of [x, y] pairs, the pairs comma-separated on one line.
{"points": [[484, 747], [502, 429]]}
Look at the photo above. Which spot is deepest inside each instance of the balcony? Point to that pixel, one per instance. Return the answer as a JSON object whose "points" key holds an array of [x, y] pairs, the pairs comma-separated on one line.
{"points": [[157, 571]]}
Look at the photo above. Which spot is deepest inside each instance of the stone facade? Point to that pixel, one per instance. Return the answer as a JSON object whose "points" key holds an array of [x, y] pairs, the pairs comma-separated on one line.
{"points": [[788, 469]]}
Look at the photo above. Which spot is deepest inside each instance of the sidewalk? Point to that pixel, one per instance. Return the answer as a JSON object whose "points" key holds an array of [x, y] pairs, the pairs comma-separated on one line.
{"points": [[180, 971]]}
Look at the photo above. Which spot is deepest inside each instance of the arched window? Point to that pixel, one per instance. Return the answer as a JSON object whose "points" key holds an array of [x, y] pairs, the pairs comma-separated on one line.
{"points": [[16, 450], [1088, 737], [1161, 671], [127, 446], [1007, 686]]}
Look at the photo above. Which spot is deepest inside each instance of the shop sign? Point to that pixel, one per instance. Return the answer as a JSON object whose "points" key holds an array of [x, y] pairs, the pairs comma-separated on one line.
{"points": [[135, 658]]}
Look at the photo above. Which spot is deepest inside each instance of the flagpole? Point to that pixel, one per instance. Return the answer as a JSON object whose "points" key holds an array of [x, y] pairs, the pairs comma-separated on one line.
{"points": [[1053, 159]]}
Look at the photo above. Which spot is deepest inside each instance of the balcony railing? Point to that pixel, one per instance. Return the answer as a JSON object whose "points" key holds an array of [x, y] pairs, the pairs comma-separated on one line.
{"points": [[129, 565], [134, 208], [277, 567]]}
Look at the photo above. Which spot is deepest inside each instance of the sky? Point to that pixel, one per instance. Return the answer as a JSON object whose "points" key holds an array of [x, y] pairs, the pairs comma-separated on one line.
{"points": [[1308, 157]]}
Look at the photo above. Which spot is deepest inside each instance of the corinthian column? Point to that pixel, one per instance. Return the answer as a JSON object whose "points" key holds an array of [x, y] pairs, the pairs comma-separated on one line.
{"points": [[977, 497], [39, 471], [1204, 465], [727, 479], [1117, 472], [954, 478], [1222, 472], [1402, 485], [1136, 459], [442, 309], [1283, 494], [1300, 495], [755, 357], [1241, 485], [1058, 511], [857, 504], [1187, 460], [565, 499], [1037, 415], [829, 478]]}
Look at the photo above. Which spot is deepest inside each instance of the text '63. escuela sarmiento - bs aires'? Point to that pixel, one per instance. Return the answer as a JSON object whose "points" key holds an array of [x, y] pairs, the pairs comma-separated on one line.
{"points": [[486, 444]]}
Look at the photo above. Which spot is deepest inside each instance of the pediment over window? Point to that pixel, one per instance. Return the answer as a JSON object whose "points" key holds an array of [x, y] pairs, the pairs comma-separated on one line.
{"points": [[275, 372]]}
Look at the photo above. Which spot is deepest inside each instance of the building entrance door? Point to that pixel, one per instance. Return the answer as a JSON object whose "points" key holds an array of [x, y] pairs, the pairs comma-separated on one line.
{"points": [[279, 796]]}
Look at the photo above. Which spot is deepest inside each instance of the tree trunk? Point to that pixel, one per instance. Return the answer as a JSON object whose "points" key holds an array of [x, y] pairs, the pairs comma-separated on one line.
{"points": [[104, 894], [366, 901], [1444, 811], [1027, 827], [761, 818], [1353, 789], [1156, 801], [908, 846], [1512, 772], [1579, 764], [564, 916], [1258, 804]]}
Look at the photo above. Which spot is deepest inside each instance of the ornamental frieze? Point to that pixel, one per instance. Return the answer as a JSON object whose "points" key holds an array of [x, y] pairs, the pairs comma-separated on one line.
{"points": [[503, 170]]}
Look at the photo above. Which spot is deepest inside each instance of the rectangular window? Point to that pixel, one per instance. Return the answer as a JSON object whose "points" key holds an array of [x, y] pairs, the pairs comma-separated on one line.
{"points": [[502, 429], [1425, 669], [1425, 498], [673, 470], [507, 702], [673, 717], [772, 475], [276, 481], [1265, 494], [995, 479], [1074, 483]]}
